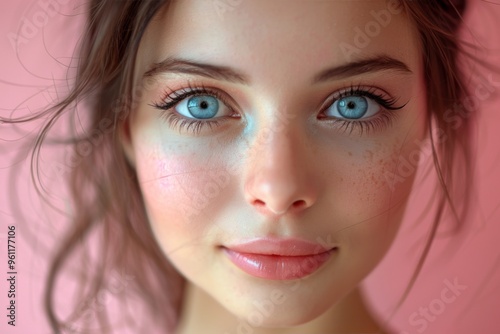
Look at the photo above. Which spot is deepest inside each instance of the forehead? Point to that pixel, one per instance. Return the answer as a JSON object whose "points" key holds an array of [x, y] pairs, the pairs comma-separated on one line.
{"points": [[279, 37]]}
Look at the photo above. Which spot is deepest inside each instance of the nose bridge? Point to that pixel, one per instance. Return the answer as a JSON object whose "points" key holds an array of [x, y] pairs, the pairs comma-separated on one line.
{"points": [[273, 137], [277, 125], [277, 178]]}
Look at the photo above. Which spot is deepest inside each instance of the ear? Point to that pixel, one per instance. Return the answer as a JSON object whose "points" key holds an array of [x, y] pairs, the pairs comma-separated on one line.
{"points": [[125, 139]]}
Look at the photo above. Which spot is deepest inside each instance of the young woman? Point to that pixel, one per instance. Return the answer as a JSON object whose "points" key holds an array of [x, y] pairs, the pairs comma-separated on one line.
{"points": [[247, 161]]}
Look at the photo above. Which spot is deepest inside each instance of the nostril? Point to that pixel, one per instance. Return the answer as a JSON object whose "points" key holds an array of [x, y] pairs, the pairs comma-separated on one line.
{"points": [[299, 204], [259, 203]]}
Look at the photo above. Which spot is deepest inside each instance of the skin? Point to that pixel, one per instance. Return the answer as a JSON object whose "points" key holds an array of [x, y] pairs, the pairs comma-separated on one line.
{"points": [[274, 167]]}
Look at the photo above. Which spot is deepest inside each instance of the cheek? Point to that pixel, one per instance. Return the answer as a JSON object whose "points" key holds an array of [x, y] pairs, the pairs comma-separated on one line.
{"points": [[373, 182], [375, 190], [183, 194]]}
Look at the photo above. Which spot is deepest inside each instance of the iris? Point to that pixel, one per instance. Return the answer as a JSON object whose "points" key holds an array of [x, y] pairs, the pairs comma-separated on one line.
{"points": [[203, 107], [352, 107]]}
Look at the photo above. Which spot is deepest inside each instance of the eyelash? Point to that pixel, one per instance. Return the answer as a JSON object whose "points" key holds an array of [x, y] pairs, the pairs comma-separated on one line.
{"points": [[383, 119], [179, 122], [176, 121]]}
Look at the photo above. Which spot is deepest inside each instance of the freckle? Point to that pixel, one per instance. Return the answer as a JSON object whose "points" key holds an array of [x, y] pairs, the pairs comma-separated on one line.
{"points": [[368, 155], [350, 154]]}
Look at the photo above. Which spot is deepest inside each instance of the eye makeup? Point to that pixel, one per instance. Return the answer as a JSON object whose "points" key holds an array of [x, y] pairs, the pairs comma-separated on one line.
{"points": [[363, 95]]}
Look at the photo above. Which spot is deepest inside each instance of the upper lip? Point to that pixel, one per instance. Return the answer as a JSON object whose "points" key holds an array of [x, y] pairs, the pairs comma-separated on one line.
{"points": [[281, 247]]}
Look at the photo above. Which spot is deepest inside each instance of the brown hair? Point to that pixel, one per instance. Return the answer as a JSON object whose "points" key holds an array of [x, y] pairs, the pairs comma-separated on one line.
{"points": [[104, 187]]}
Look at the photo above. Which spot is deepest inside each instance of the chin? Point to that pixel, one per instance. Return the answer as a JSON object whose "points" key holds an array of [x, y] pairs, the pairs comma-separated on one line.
{"points": [[280, 308], [279, 317]]}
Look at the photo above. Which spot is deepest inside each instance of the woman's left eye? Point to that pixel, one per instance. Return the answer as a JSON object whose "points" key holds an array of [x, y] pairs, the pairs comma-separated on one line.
{"points": [[353, 107]]}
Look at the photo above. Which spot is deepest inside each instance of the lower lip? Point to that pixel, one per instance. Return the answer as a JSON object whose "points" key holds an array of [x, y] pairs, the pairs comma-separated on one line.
{"points": [[277, 267]]}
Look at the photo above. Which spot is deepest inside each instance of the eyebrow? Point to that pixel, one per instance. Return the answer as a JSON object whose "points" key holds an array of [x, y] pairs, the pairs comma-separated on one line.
{"points": [[369, 65], [185, 66], [225, 73]]}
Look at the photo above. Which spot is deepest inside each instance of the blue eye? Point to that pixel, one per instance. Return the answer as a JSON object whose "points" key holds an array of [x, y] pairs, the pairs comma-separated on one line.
{"points": [[353, 107], [202, 107]]}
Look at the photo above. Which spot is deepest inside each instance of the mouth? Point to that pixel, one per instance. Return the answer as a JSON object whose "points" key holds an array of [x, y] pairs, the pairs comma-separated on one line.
{"points": [[278, 259]]}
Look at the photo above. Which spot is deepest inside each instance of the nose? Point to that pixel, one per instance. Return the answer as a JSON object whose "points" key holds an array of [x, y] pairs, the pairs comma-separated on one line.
{"points": [[279, 175]]}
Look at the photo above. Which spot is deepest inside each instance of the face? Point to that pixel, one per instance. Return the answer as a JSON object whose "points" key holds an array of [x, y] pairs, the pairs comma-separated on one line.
{"points": [[269, 132]]}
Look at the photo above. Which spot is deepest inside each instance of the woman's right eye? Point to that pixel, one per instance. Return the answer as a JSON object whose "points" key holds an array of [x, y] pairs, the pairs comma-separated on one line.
{"points": [[193, 109], [202, 107]]}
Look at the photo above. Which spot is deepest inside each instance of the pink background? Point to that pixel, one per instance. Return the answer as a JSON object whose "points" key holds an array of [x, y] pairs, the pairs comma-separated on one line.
{"points": [[35, 73]]}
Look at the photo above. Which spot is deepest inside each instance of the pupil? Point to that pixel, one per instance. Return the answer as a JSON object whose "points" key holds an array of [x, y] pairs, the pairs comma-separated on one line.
{"points": [[351, 105], [204, 104]]}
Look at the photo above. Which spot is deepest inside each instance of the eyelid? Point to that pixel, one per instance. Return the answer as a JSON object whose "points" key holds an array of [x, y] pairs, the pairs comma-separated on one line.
{"points": [[382, 97], [180, 122], [192, 89], [381, 120]]}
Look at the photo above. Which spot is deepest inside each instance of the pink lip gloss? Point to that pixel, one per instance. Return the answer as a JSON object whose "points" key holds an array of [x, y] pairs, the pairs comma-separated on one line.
{"points": [[275, 259]]}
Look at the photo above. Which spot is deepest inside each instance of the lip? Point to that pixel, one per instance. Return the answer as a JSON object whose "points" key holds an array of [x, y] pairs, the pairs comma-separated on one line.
{"points": [[278, 259]]}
